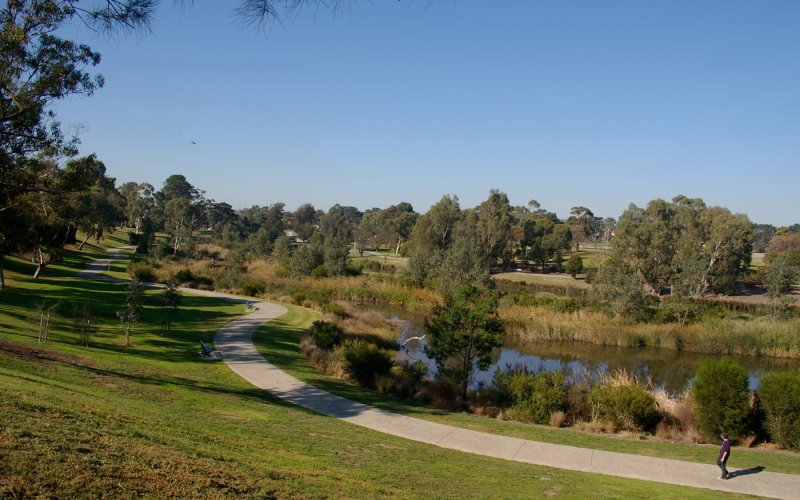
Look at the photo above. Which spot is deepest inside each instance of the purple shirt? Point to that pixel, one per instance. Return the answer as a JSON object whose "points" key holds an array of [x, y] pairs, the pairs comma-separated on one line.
{"points": [[725, 448]]}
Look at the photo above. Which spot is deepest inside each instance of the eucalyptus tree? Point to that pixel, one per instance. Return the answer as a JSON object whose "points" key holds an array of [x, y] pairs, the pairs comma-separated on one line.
{"points": [[139, 202]]}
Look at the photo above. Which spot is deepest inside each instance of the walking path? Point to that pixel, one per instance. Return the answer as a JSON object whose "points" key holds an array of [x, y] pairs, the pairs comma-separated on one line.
{"points": [[234, 341]]}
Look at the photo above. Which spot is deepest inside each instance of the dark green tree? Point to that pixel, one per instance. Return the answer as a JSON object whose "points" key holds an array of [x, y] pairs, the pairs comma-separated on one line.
{"points": [[721, 398], [462, 332], [169, 300], [574, 266]]}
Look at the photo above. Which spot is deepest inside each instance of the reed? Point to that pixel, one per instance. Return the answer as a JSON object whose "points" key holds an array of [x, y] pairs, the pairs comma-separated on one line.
{"points": [[760, 336]]}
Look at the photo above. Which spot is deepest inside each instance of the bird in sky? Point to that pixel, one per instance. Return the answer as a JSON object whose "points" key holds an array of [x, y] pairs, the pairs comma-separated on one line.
{"points": [[193, 142]]}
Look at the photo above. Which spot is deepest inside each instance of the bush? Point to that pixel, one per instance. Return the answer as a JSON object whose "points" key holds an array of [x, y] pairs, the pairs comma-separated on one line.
{"points": [[631, 407], [574, 266], [721, 398], [325, 334], [183, 276], [335, 309], [253, 288], [415, 371], [532, 398], [134, 239], [141, 271], [590, 275], [298, 298], [779, 398], [364, 361]]}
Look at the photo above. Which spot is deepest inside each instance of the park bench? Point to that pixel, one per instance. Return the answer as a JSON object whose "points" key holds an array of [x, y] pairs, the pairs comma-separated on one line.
{"points": [[248, 306], [208, 354]]}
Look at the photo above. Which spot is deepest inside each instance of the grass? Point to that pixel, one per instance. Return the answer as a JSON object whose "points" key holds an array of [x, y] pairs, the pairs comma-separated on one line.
{"points": [[154, 421], [278, 341], [543, 279]]}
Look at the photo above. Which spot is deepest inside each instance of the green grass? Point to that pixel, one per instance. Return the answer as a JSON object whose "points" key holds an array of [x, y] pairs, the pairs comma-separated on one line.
{"points": [[278, 340], [154, 421]]}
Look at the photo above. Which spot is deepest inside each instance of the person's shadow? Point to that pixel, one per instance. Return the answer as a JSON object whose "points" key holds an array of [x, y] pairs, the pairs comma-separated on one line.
{"points": [[745, 472]]}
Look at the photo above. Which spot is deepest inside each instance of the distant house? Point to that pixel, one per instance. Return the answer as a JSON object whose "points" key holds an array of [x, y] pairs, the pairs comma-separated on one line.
{"points": [[290, 235]]}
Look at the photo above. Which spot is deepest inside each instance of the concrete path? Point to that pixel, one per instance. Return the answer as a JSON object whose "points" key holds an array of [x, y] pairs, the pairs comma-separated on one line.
{"points": [[234, 341]]}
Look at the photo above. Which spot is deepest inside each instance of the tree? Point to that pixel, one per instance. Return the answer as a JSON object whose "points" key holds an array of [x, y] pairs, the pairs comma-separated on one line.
{"points": [[303, 221], [169, 300], [99, 207], [574, 265], [580, 223], [139, 202], [462, 333], [134, 304], [779, 277], [721, 398], [493, 227]]}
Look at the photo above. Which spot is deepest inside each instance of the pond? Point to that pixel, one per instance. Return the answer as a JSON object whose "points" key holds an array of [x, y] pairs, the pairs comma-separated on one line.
{"points": [[664, 368]]}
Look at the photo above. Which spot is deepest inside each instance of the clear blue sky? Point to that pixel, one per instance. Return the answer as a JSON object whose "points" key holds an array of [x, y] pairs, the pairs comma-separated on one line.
{"points": [[585, 102]]}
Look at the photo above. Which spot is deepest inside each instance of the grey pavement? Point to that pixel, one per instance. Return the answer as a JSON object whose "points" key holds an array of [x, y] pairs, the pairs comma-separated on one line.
{"points": [[234, 341]]}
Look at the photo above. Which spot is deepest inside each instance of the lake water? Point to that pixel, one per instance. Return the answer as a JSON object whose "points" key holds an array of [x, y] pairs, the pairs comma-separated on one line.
{"points": [[665, 368]]}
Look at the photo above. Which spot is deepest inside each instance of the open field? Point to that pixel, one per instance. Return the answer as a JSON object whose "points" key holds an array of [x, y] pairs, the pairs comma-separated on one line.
{"points": [[154, 421]]}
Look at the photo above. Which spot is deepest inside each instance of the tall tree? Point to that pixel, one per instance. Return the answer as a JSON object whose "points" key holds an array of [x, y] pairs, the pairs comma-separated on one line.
{"points": [[139, 202]]}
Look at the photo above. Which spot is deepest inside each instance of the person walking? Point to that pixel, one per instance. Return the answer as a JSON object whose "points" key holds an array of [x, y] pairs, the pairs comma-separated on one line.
{"points": [[724, 455]]}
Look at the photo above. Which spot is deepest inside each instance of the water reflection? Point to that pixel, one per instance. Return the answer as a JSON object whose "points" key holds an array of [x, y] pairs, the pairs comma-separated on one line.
{"points": [[666, 369]]}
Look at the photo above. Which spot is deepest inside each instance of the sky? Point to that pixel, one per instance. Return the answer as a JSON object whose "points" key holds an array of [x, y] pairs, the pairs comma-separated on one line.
{"points": [[570, 103]]}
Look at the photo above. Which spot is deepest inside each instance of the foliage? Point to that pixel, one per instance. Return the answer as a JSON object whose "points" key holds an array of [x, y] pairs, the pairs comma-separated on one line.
{"points": [[169, 300], [779, 277], [574, 266], [462, 333], [141, 271], [326, 334], [132, 309], [253, 288], [721, 398], [618, 286], [532, 397], [630, 406], [415, 371], [365, 361], [779, 398]]}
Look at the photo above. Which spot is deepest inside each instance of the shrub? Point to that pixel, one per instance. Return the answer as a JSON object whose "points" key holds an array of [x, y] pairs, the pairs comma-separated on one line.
{"points": [[134, 239], [574, 266], [298, 298], [141, 271], [779, 398], [533, 398], [590, 275], [631, 407], [325, 334], [335, 309], [721, 398], [364, 361], [415, 371], [183, 276], [253, 288]]}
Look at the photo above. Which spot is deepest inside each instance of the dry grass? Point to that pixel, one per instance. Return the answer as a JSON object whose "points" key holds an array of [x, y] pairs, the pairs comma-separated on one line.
{"points": [[762, 336], [596, 426], [558, 419]]}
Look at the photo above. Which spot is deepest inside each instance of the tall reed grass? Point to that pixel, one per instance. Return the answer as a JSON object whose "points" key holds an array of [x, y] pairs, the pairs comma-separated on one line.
{"points": [[760, 336]]}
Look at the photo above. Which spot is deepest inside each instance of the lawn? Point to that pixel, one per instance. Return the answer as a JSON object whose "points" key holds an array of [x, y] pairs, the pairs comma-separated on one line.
{"points": [[155, 421]]}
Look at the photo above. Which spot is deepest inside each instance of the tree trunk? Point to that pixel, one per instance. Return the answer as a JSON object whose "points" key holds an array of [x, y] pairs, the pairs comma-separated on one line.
{"points": [[127, 333], [80, 247], [397, 249], [2, 274]]}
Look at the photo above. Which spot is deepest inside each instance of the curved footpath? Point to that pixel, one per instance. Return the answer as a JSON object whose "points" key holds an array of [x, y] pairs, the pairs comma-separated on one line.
{"points": [[235, 343]]}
